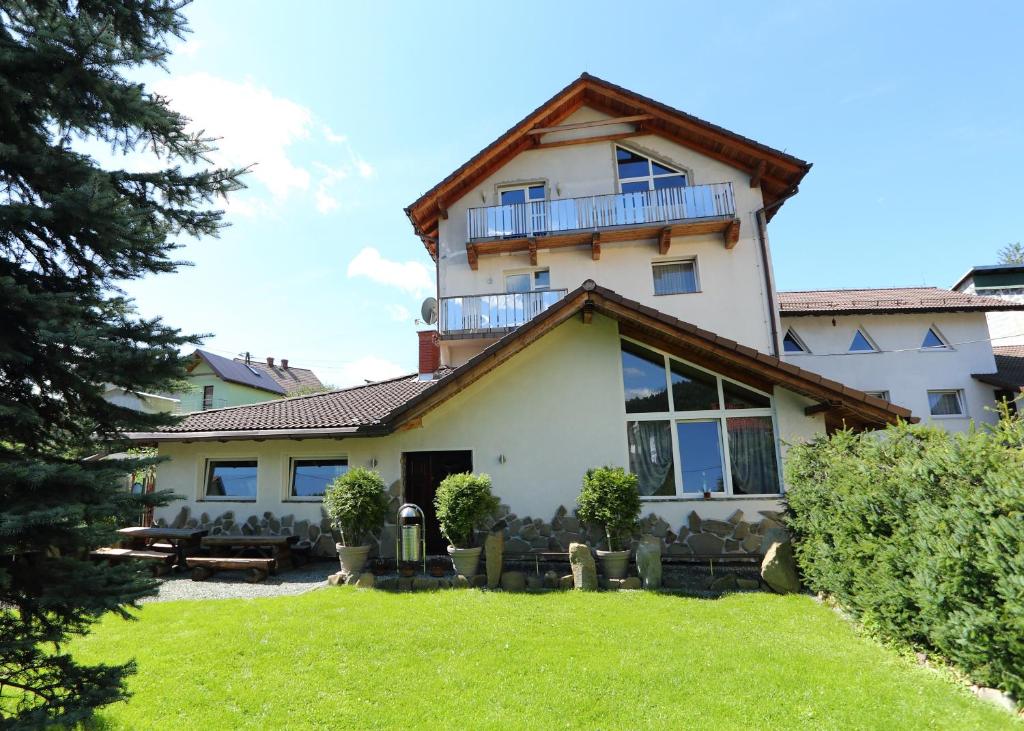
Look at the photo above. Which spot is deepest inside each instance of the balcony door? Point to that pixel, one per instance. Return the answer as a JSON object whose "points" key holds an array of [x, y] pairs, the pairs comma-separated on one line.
{"points": [[523, 210]]}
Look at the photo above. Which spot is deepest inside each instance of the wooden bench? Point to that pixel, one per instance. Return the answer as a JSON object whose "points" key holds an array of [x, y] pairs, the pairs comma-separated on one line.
{"points": [[203, 567], [162, 562]]}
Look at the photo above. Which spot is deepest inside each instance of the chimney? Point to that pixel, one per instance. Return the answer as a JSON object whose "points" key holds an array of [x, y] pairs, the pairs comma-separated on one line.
{"points": [[284, 363], [430, 354], [270, 361]]}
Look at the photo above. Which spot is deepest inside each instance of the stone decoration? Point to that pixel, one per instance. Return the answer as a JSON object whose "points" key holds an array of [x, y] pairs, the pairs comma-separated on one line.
{"points": [[584, 572], [778, 569], [494, 548], [648, 562]]}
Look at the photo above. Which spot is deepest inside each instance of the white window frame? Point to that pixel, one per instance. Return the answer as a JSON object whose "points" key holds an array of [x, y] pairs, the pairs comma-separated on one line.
{"points": [[799, 341], [204, 478], [867, 336], [287, 496], [649, 178], [882, 394], [721, 414], [961, 399], [944, 348], [532, 272], [677, 260]]}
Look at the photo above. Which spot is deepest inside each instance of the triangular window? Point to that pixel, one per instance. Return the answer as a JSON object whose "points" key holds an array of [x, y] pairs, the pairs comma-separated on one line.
{"points": [[933, 340], [792, 343], [638, 173], [861, 344]]}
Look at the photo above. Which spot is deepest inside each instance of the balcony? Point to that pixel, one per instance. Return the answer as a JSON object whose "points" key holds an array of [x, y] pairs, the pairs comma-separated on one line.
{"points": [[652, 214], [484, 315]]}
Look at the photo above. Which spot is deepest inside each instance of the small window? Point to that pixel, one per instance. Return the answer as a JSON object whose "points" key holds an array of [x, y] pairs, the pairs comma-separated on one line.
{"points": [[861, 344], [884, 395], [528, 281], [933, 341], [207, 397], [677, 277], [310, 477], [792, 343], [946, 403], [231, 478]]}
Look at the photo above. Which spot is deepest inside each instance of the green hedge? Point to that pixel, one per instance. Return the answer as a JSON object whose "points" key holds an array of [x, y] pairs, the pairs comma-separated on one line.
{"points": [[920, 535]]}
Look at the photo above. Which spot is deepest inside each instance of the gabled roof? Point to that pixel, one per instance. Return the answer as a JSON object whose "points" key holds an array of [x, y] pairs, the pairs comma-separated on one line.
{"points": [[1009, 368], [886, 301], [777, 173], [382, 408], [238, 372], [291, 379], [988, 271]]}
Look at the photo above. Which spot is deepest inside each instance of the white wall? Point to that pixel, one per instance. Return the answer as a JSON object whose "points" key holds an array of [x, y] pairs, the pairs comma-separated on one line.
{"points": [[732, 300], [553, 411], [907, 376]]}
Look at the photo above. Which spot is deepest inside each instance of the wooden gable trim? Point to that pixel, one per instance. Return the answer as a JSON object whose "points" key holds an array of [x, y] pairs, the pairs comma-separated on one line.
{"points": [[587, 125]]}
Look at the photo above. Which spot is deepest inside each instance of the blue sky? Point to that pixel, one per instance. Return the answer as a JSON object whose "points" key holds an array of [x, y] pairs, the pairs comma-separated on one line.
{"points": [[351, 110]]}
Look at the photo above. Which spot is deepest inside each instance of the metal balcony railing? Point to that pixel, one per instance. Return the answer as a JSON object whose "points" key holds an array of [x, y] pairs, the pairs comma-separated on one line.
{"points": [[535, 218], [494, 313]]}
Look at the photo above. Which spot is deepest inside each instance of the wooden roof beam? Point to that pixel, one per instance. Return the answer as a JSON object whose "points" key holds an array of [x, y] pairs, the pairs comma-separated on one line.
{"points": [[587, 125], [755, 179], [822, 408]]}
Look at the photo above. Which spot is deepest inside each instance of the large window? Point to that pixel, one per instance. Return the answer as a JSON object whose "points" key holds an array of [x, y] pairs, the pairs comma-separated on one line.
{"points": [[690, 431], [231, 479], [310, 477], [638, 173]]}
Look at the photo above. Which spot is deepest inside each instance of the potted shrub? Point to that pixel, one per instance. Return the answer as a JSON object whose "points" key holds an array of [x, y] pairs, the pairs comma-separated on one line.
{"points": [[357, 505], [463, 502], [610, 499]]}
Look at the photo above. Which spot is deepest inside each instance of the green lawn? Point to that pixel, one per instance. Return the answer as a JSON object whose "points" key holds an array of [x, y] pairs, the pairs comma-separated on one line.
{"points": [[466, 659]]}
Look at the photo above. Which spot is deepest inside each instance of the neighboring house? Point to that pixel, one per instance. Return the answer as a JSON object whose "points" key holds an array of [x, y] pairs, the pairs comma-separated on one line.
{"points": [[922, 348], [149, 403], [217, 382], [1005, 281], [606, 297]]}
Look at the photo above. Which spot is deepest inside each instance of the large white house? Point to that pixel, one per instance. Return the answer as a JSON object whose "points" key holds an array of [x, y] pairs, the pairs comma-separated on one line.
{"points": [[606, 297]]}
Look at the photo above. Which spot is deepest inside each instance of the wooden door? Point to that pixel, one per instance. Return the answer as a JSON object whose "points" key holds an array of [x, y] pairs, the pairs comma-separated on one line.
{"points": [[423, 473]]}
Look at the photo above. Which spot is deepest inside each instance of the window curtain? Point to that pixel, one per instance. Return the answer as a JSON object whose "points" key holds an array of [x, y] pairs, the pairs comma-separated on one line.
{"points": [[752, 456], [650, 456], [674, 278]]}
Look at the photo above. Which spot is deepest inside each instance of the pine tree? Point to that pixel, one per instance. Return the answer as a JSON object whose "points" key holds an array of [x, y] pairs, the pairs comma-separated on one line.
{"points": [[70, 230]]}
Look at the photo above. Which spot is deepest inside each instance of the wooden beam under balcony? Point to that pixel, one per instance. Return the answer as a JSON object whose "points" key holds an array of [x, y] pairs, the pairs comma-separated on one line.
{"points": [[727, 226], [595, 246]]}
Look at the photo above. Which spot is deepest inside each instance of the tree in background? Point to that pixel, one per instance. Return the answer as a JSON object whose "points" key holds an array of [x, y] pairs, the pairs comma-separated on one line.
{"points": [[70, 230], [1012, 254]]}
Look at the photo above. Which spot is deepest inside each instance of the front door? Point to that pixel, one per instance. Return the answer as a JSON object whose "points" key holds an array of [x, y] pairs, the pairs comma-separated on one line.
{"points": [[423, 473]]}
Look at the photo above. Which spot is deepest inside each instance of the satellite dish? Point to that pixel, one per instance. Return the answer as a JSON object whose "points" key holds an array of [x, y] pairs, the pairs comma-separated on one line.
{"points": [[428, 310]]}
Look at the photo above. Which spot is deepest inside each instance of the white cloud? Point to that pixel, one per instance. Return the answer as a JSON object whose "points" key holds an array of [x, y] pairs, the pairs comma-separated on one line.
{"points": [[368, 368], [253, 125], [325, 201], [410, 276], [332, 137], [398, 313]]}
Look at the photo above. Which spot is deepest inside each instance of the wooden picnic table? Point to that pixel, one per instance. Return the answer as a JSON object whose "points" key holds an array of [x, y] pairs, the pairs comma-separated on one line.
{"points": [[279, 547], [182, 540]]}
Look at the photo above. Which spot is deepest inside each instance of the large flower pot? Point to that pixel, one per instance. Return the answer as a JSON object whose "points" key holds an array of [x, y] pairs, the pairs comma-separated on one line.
{"points": [[465, 560], [614, 564], [352, 558]]}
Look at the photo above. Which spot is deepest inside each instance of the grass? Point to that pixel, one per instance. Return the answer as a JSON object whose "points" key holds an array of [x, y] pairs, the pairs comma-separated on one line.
{"points": [[466, 659]]}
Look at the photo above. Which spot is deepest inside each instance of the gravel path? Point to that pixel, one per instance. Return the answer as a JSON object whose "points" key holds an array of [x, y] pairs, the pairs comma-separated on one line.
{"points": [[232, 584]]}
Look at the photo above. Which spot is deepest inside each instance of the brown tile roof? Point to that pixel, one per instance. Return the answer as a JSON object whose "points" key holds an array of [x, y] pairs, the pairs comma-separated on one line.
{"points": [[357, 408], [886, 301], [1009, 368], [291, 379], [380, 408]]}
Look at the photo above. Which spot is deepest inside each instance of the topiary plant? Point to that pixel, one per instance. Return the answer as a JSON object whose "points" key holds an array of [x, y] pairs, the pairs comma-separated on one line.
{"points": [[463, 502], [610, 499], [356, 505]]}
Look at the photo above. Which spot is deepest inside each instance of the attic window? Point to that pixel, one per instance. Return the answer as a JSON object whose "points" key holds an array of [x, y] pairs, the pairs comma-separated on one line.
{"points": [[792, 343], [933, 341], [639, 174], [861, 344]]}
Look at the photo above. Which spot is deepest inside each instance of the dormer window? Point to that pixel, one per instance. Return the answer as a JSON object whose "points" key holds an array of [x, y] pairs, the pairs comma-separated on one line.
{"points": [[638, 173], [792, 343], [861, 344], [933, 341]]}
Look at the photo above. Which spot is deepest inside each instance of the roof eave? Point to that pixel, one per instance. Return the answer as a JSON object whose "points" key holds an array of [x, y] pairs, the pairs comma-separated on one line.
{"points": [[259, 434]]}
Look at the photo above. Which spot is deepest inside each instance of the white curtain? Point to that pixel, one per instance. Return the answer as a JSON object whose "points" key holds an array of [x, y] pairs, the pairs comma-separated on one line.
{"points": [[650, 455], [752, 455]]}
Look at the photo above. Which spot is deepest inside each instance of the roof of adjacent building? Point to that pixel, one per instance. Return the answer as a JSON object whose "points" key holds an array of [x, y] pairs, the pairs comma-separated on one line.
{"points": [[1009, 368], [387, 406], [255, 374], [778, 173], [990, 274], [886, 301]]}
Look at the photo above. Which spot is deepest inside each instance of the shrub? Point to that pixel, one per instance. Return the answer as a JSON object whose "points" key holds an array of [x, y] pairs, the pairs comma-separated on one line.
{"points": [[356, 505], [610, 499], [920, 535], [463, 502]]}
